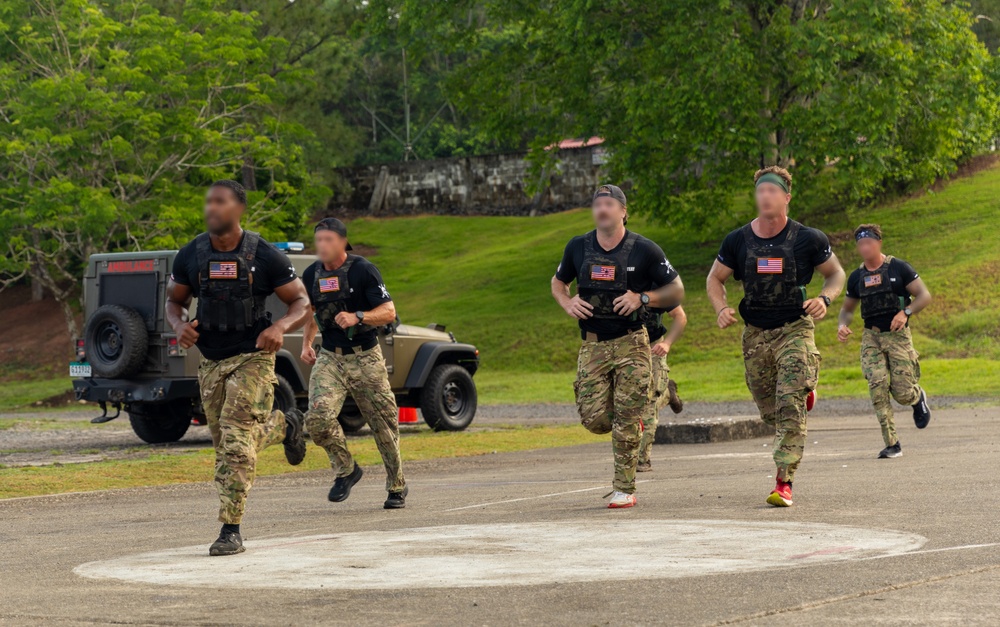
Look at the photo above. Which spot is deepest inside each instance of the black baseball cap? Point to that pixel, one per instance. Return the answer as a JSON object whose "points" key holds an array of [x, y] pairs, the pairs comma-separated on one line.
{"points": [[612, 191], [335, 225]]}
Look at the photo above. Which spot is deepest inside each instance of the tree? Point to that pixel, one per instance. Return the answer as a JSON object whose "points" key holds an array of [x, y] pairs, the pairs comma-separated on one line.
{"points": [[113, 118], [692, 96]]}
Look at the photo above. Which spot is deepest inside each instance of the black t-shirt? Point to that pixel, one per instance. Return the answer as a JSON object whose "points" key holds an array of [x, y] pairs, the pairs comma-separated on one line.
{"points": [[648, 269], [271, 269], [812, 248], [367, 291], [901, 274], [656, 325]]}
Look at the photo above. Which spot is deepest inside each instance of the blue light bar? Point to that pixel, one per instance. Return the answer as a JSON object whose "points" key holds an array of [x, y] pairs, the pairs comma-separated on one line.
{"points": [[290, 247]]}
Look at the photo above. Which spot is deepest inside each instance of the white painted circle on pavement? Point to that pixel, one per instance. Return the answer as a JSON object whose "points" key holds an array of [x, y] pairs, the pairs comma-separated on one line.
{"points": [[509, 554]]}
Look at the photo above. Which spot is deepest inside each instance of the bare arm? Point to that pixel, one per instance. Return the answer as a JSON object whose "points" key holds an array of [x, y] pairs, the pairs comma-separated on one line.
{"points": [[678, 320], [921, 295], [178, 300], [572, 305], [309, 330], [383, 314], [845, 317], [833, 282], [294, 295], [670, 295], [715, 285]]}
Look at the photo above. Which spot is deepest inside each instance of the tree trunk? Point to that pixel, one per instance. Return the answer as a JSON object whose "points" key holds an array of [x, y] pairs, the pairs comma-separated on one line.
{"points": [[37, 289]]}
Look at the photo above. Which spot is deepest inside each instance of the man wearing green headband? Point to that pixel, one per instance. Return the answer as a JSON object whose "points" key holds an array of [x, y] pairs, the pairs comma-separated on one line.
{"points": [[775, 258], [890, 292]]}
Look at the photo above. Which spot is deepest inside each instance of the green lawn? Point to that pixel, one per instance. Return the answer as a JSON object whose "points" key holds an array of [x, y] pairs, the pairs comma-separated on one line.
{"points": [[21, 394], [487, 279]]}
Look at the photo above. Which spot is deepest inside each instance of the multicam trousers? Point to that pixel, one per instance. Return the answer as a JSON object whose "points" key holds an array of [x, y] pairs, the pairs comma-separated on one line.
{"points": [[658, 396], [782, 366], [891, 366], [612, 392], [364, 377], [237, 395]]}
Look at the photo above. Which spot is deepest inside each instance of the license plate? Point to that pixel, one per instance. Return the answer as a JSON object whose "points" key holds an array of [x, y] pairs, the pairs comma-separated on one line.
{"points": [[79, 369]]}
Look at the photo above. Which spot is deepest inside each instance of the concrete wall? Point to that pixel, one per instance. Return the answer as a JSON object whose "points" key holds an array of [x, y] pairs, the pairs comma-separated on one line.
{"points": [[485, 185]]}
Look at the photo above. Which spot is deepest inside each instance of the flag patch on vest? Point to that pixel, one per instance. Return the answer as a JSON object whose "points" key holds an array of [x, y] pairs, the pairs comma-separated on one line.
{"points": [[770, 265], [602, 273], [873, 280], [331, 284], [222, 269]]}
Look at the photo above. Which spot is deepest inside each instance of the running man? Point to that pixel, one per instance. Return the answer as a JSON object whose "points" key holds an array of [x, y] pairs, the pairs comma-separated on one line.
{"points": [[775, 258], [662, 389], [890, 292], [618, 273]]}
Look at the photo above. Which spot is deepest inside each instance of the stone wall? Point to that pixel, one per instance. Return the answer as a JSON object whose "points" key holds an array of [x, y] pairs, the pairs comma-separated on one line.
{"points": [[484, 185]]}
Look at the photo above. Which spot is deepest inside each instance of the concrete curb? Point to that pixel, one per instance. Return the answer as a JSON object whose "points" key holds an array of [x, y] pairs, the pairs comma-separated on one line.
{"points": [[706, 430]]}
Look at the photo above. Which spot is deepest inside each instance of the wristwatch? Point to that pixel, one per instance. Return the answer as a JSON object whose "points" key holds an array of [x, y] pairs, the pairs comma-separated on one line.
{"points": [[908, 312], [826, 299], [644, 298], [360, 315]]}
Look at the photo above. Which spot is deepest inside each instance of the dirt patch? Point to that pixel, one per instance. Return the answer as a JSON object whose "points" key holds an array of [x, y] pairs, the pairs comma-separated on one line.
{"points": [[34, 341]]}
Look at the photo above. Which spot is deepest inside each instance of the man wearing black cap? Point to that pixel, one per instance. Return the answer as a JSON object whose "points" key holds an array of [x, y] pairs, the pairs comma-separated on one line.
{"points": [[232, 272], [890, 292], [619, 275], [776, 257], [350, 301]]}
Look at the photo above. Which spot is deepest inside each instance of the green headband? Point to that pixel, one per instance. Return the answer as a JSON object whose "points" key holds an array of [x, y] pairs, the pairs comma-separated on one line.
{"points": [[771, 177]]}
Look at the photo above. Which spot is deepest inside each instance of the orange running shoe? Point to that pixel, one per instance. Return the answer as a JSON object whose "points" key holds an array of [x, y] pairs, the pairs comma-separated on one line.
{"points": [[782, 495]]}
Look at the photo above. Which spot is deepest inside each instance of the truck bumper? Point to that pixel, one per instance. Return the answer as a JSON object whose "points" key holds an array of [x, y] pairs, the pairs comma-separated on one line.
{"points": [[152, 391]]}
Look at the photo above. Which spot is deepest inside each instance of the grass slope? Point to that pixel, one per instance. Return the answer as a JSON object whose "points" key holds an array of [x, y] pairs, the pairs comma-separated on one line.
{"points": [[488, 279]]}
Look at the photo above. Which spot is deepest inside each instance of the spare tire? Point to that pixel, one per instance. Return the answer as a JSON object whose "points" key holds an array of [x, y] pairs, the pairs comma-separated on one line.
{"points": [[116, 342], [449, 398]]}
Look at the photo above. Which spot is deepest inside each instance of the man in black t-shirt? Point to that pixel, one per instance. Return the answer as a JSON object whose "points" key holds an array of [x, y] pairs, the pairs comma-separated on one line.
{"points": [[350, 302], [232, 272], [890, 292], [775, 258], [619, 275]]}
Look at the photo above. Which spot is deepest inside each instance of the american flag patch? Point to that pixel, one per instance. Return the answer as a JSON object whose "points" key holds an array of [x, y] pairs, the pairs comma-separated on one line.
{"points": [[331, 284], [222, 269], [873, 280], [770, 265], [602, 273]]}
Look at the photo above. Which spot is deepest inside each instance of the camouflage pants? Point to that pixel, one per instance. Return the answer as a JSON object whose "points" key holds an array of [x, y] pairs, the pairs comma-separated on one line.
{"points": [[891, 366], [658, 396], [237, 395], [612, 392], [782, 366], [364, 377]]}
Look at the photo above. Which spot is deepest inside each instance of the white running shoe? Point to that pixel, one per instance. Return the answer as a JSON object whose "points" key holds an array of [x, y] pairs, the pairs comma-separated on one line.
{"points": [[621, 500]]}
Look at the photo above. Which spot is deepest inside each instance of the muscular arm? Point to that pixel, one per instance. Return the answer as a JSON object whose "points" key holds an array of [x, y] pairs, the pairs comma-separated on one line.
{"points": [[572, 305], [921, 295], [178, 300], [383, 314], [294, 295], [847, 311], [670, 295], [715, 285], [309, 330], [679, 320], [833, 282]]}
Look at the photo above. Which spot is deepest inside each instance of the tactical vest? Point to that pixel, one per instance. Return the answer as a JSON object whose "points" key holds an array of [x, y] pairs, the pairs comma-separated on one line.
{"points": [[770, 278], [604, 276], [330, 291], [226, 301], [877, 297]]}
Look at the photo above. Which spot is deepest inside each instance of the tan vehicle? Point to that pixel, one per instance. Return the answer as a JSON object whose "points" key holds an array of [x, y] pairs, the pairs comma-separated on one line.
{"points": [[129, 358]]}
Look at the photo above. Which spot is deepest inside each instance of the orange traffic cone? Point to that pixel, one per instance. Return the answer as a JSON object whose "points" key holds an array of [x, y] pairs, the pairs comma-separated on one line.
{"points": [[408, 415]]}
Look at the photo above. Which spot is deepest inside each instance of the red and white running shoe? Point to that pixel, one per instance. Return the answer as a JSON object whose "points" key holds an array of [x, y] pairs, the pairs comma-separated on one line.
{"points": [[781, 496], [620, 500]]}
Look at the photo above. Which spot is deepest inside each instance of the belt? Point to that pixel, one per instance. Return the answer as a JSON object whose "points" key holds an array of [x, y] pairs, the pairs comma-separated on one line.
{"points": [[352, 350], [597, 337]]}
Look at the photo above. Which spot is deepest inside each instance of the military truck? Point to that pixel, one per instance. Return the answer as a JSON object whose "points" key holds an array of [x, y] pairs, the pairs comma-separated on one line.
{"points": [[129, 357]]}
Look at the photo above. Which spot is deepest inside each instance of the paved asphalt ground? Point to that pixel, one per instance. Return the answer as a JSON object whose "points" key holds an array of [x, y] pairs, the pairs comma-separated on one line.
{"points": [[524, 539]]}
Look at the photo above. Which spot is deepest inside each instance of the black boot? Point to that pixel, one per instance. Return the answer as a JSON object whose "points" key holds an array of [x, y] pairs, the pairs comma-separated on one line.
{"points": [[921, 412], [397, 500], [342, 486], [675, 403], [295, 440], [229, 543], [891, 451]]}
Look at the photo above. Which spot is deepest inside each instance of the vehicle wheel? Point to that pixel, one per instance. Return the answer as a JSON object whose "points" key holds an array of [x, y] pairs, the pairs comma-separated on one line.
{"points": [[116, 342], [448, 400], [284, 395], [350, 419], [157, 423]]}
